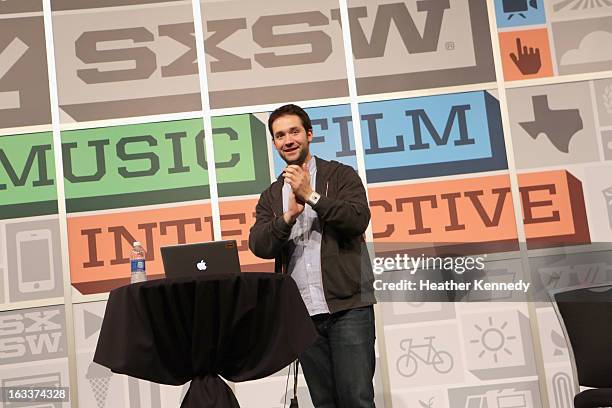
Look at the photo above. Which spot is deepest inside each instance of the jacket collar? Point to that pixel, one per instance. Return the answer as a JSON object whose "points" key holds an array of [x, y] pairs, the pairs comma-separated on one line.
{"points": [[323, 171]]}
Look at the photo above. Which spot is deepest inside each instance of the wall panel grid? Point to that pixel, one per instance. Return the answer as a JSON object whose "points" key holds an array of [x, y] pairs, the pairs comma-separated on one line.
{"points": [[470, 121]]}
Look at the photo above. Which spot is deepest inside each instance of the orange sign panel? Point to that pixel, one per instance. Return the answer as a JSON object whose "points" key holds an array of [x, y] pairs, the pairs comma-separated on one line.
{"points": [[479, 210], [100, 244]]}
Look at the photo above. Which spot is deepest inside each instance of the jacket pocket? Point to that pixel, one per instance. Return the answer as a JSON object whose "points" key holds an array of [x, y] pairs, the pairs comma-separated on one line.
{"points": [[339, 279]]}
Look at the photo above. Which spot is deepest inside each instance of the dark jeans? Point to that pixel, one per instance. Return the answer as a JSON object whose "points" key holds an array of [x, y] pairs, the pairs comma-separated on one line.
{"points": [[339, 367]]}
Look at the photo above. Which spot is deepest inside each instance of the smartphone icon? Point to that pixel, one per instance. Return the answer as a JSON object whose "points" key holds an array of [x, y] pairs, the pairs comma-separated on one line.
{"points": [[35, 261]]}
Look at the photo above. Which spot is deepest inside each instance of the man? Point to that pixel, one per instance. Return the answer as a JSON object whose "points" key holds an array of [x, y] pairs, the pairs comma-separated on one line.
{"points": [[312, 220]]}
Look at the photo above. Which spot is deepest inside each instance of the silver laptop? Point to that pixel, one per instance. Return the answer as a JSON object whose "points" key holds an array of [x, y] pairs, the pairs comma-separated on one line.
{"points": [[203, 257]]}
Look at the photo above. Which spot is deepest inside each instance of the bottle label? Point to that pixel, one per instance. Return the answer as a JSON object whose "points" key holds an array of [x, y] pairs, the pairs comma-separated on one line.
{"points": [[138, 265]]}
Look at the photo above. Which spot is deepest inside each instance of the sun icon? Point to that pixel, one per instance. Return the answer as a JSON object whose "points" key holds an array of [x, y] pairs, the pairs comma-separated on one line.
{"points": [[493, 339]]}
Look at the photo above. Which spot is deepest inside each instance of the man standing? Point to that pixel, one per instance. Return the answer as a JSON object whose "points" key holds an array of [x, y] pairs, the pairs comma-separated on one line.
{"points": [[311, 220]]}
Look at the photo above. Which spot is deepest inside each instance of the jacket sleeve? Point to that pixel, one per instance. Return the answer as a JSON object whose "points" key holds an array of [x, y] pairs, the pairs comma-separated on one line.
{"points": [[349, 211], [270, 232]]}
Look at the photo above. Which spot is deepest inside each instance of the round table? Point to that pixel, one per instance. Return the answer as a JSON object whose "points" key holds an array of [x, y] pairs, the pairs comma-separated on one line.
{"points": [[240, 326]]}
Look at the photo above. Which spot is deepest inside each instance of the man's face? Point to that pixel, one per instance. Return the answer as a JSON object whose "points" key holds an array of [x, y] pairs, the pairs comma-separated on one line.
{"points": [[291, 139]]}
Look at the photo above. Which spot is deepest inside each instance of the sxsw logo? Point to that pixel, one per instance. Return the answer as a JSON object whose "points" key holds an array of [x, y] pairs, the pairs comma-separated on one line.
{"points": [[262, 31], [147, 65], [32, 334]]}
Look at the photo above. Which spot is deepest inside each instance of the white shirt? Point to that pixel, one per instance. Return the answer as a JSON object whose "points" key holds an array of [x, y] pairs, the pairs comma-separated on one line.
{"points": [[305, 263]]}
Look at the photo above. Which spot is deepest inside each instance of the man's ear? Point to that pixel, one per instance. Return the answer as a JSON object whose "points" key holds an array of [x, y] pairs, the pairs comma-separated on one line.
{"points": [[309, 135]]}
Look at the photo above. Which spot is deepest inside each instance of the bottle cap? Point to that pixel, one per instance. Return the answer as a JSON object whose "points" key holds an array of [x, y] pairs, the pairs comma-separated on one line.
{"points": [[137, 243]]}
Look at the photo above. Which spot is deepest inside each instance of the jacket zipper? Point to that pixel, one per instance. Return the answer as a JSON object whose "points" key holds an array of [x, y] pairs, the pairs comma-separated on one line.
{"points": [[320, 255], [282, 255]]}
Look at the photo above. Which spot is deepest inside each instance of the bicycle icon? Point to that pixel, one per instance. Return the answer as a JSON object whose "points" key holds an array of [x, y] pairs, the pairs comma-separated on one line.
{"points": [[407, 365]]}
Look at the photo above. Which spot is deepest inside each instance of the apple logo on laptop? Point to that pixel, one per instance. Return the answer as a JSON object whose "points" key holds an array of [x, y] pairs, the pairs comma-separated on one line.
{"points": [[201, 265]]}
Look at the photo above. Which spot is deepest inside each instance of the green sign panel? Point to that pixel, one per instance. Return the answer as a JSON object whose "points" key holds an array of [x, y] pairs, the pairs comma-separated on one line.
{"points": [[153, 163]]}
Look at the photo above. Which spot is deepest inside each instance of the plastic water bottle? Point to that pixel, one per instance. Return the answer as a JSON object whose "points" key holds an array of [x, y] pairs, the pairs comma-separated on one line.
{"points": [[137, 263]]}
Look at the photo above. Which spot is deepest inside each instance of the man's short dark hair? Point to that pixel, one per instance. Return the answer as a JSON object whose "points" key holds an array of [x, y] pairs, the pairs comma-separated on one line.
{"points": [[290, 109]]}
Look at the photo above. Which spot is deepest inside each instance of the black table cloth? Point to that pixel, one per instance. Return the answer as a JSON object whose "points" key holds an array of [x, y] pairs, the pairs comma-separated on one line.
{"points": [[238, 326]]}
